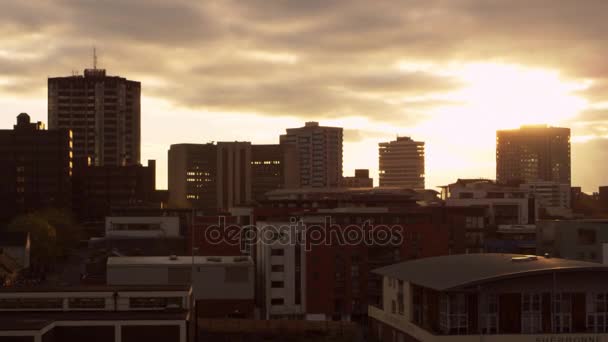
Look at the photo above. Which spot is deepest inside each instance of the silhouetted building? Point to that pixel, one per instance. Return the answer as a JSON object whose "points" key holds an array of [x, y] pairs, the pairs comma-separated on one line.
{"points": [[401, 163], [319, 154], [533, 153], [218, 177], [360, 180], [96, 189], [102, 111], [603, 197], [35, 168]]}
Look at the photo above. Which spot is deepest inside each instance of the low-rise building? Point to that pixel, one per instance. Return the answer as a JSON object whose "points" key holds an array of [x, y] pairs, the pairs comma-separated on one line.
{"points": [[223, 286], [514, 239], [584, 239], [104, 313], [492, 298]]}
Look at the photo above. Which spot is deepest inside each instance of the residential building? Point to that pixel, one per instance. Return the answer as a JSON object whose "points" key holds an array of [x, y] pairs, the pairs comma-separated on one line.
{"points": [[103, 112], [361, 179], [493, 298], [35, 168], [401, 163], [533, 153], [318, 153], [98, 189], [581, 239], [102, 313], [553, 199], [222, 286], [504, 205]]}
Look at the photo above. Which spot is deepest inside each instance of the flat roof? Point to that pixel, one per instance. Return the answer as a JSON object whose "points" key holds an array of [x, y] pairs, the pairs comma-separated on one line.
{"points": [[95, 288], [456, 271], [15, 320], [180, 260]]}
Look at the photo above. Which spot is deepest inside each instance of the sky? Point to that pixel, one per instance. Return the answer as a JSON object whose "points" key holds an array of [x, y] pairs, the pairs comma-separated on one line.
{"points": [[447, 72]]}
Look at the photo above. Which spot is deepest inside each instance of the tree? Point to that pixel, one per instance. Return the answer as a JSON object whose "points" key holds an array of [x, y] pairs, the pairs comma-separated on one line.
{"points": [[43, 237]]}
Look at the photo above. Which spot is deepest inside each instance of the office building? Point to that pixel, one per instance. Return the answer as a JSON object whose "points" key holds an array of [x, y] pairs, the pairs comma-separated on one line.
{"points": [[35, 168], [401, 163], [361, 179], [220, 176], [319, 154], [553, 199], [492, 298], [533, 153], [102, 111], [98, 313]]}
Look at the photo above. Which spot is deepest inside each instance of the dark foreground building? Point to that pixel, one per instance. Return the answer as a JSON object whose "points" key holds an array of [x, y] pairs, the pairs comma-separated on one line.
{"points": [[104, 314], [35, 168], [492, 298]]}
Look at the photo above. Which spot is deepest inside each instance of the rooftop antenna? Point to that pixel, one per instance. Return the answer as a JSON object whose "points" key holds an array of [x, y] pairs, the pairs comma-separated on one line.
{"points": [[94, 58]]}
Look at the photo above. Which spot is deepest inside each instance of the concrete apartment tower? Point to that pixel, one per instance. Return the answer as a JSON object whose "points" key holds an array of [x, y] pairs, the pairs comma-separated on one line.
{"points": [[103, 113], [401, 163], [533, 153], [318, 150]]}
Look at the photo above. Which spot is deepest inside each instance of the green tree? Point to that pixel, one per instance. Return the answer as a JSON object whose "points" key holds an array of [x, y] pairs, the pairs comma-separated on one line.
{"points": [[67, 231], [43, 237]]}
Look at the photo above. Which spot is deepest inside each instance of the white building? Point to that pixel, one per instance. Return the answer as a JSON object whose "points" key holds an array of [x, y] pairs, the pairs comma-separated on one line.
{"points": [[142, 227], [280, 272], [401, 163]]}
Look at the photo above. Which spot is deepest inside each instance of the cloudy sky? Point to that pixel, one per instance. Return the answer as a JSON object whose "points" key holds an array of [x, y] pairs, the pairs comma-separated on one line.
{"points": [[448, 72]]}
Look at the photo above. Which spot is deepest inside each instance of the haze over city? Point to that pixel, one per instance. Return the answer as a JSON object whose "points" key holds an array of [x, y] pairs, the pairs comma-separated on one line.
{"points": [[449, 73]]}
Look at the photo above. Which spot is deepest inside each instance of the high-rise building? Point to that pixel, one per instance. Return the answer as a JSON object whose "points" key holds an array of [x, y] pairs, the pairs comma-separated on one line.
{"points": [[224, 175], [533, 153], [319, 154], [401, 163], [35, 168], [103, 113]]}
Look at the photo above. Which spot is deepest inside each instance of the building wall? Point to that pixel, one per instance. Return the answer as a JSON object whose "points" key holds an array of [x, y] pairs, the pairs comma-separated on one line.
{"points": [[573, 239], [153, 227]]}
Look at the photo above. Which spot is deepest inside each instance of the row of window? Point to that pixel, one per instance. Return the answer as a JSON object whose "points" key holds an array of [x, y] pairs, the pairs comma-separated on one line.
{"points": [[87, 303]]}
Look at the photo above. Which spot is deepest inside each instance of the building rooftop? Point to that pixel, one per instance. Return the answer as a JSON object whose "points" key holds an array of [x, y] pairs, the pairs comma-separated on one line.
{"points": [[179, 260], [94, 288], [452, 272]]}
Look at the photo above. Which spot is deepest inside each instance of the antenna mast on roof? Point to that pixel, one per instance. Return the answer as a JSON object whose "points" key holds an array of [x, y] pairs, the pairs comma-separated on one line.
{"points": [[94, 58]]}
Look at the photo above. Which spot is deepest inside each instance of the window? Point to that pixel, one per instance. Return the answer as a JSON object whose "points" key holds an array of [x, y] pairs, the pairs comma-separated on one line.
{"points": [[562, 313], [453, 316], [489, 311], [393, 306], [87, 303], [597, 312], [31, 303], [277, 301], [531, 313], [277, 252], [277, 268], [155, 302], [277, 284]]}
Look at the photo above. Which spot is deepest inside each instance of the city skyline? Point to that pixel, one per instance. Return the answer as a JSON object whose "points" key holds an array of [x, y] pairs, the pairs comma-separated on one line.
{"points": [[273, 67]]}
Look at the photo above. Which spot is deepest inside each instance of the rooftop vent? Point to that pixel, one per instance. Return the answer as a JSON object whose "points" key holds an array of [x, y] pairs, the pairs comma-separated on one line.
{"points": [[172, 257], [524, 258]]}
